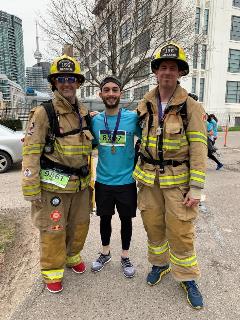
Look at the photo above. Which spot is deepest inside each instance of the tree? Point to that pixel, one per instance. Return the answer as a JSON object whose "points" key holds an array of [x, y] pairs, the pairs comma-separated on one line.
{"points": [[118, 37]]}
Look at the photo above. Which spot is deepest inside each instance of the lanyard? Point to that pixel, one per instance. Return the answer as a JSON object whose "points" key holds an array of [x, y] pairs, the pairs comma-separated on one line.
{"points": [[113, 137], [160, 109]]}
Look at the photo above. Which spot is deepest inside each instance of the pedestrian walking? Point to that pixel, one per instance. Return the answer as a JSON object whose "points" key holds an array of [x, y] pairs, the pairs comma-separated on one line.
{"points": [[171, 172], [212, 136], [114, 131], [56, 175]]}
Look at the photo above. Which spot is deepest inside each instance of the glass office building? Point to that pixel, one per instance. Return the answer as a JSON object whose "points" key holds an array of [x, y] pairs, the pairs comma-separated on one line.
{"points": [[11, 49]]}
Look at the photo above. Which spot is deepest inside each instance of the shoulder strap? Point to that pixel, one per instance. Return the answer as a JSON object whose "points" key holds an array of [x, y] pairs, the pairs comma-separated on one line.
{"points": [[87, 118], [183, 110], [52, 118]]}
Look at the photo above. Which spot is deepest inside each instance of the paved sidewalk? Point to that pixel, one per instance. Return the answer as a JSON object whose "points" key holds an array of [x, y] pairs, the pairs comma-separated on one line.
{"points": [[109, 295]]}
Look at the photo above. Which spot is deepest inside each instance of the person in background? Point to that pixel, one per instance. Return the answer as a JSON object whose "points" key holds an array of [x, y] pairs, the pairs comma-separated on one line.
{"points": [[211, 128], [213, 119], [114, 131]]}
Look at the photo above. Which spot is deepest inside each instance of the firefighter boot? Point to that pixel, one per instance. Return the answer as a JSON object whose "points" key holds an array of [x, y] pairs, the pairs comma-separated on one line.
{"points": [[194, 296]]}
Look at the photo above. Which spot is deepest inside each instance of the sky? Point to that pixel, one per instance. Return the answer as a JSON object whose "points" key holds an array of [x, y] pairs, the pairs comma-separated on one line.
{"points": [[28, 11]]}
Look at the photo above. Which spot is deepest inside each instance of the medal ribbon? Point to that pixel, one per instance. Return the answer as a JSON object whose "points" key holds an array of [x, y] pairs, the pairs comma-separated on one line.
{"points": [[113, 138]]}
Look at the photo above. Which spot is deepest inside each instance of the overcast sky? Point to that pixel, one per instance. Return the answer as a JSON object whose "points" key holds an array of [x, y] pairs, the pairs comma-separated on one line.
{"points": [[28, 11]]}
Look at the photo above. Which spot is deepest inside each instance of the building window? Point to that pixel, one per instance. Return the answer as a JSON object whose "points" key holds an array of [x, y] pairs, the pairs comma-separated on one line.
{"points": [[143, 15], [94, 71], [125, 30], [236, 3], [233, 92], [195, 56], [194, 84], [235, 28], [87, 91], [142, 43], [126, 95], [234, 61], [197, 20], [143, 70], [88, 75], [204, 55], [139, 92], [102, 68], [205, 24], [94, 56], [125, 53], [201, 89], [124, 7], [82, 93]]}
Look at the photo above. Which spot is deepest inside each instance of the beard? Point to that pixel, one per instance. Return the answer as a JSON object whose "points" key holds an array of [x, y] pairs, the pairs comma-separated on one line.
{"points": [[111, 105]]}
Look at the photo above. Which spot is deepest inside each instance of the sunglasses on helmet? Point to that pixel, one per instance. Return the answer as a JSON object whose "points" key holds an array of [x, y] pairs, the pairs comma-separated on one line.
{"points": [[70, 79]]}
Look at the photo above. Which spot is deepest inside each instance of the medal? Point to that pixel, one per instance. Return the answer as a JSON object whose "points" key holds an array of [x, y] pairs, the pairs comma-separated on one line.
{"points": [[158, 131], [113, 149], [112, 135]]}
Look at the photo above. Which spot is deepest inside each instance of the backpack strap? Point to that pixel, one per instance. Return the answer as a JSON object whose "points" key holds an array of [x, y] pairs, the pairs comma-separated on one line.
{"points": [[52, 118]]}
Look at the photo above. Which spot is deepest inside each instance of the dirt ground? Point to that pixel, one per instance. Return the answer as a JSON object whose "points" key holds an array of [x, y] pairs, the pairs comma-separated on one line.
{"points": [[19, 261]]}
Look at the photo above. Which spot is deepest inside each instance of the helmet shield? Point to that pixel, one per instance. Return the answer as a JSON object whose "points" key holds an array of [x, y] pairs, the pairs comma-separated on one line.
{"points": [[65, 65]]}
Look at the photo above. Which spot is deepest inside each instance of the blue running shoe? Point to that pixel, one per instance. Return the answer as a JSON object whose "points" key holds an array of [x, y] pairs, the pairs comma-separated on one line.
{"points": [[194, 296], [156, 274]]}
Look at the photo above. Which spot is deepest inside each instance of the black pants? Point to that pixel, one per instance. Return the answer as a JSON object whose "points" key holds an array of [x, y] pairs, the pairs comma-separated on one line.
{"points": [[106, 230], [212, 157]]}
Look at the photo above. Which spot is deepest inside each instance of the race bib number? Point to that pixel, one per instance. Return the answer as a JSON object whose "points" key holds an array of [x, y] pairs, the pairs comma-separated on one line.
{"points": [[105, 139], [50, 176]]}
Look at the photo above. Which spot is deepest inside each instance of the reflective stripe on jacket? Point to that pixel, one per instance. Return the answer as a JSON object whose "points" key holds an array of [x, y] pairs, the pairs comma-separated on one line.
{"points": [[72, 150], [177, 144]]}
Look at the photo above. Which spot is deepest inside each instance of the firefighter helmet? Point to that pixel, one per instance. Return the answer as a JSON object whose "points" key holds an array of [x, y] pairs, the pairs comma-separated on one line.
{"points": [[171, 51], [65, 65]]}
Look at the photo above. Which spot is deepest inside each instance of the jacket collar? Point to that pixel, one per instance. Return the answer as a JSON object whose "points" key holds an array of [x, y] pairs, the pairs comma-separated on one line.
{"points": [[179, 96], [63, 106]]}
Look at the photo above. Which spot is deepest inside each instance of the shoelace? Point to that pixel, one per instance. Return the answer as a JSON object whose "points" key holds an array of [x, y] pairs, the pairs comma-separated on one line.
{"points": [[193, 287], [102, 258], [155, 269], [126, 262]]}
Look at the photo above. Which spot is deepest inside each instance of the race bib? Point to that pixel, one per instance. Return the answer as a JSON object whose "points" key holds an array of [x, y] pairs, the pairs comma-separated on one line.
{"points": [[53, 177], [105, 139]]}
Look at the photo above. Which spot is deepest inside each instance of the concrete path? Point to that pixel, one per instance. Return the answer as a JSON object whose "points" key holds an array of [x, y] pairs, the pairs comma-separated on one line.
{"points": [[108, 295]]}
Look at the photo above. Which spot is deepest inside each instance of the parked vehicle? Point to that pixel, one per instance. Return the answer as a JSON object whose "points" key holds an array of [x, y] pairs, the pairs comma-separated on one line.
{"points": [[10, 147]]}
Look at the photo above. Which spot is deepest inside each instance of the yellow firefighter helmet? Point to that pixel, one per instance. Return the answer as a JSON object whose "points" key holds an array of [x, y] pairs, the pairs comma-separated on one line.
{"points": [[65, 65], [171, 51]]}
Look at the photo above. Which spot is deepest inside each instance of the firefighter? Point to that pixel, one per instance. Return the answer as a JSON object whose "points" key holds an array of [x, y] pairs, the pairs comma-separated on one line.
{"points": [[171, 172], [55, 173]]}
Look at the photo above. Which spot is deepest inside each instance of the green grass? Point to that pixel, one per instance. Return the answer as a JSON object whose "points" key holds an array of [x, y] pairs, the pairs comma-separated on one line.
{"points": [[7, 232], [237, 128]]}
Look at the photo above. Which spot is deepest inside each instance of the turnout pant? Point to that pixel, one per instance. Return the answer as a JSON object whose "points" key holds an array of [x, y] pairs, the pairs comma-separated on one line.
{"points": [[170, 229], [63, 222]]}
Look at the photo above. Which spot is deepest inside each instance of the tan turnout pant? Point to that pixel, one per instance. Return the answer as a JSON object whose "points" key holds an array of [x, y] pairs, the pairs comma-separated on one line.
{"points": [[170, 229], [63, 222]]}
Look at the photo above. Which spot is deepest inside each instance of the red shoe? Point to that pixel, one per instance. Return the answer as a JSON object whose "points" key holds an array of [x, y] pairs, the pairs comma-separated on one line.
{"points": [[54, 287], [79, 268]]}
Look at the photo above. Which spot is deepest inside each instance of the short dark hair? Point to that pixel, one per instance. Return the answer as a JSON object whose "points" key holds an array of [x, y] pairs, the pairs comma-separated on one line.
{"points": [[110, 79]]}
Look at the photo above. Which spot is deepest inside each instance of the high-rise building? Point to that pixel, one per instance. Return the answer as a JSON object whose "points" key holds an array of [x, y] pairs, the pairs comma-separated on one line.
{"points": [[11, 48], [36, 76]]}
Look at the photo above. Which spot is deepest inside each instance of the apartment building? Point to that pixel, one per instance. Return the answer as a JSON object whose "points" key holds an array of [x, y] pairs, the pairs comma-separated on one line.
{"points": [[215, 70]]}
